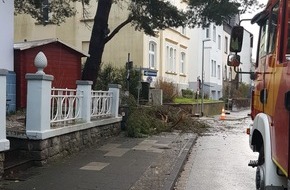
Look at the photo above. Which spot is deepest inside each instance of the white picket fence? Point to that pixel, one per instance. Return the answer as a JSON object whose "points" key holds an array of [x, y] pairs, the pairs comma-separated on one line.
{"points": [[52, 112], [66, 105], [101, 104], [69, 109]]}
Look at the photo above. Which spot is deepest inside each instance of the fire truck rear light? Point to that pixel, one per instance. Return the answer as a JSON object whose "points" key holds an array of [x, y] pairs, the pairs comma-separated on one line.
{"points": [[248, 131]]}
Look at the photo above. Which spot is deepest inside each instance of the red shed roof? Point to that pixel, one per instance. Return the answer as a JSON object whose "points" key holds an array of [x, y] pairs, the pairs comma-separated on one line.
{"points": [[32, 44]]}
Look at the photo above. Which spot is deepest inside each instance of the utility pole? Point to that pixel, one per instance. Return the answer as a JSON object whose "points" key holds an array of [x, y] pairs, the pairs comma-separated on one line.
{"points": [[202, 77]]}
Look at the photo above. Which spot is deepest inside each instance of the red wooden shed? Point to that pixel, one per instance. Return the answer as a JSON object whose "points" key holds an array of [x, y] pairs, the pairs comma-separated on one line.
{"points": [[63, 62]]}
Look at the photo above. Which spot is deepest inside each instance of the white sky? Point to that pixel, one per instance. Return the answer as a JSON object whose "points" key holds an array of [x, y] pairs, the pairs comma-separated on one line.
{"points": [[254, 29]]}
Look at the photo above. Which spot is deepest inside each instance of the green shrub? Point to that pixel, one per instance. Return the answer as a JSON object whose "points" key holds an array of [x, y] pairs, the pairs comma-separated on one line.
{"points": [[169, 90], [112, 75], [187, 93]]}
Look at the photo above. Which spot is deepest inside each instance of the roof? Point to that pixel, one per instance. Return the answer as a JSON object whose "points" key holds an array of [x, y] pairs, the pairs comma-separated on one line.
{"points": [[31, 44]]}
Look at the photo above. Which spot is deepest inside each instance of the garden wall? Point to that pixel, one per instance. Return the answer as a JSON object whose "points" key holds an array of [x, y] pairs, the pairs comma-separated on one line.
{"points": [[209, 108], [51, 149], [214, 108]]}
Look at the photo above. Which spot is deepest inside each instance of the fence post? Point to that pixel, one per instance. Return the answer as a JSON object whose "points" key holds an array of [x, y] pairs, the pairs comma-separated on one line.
{"points": [[115, 88], [38, 100], [86, 88], [4, 143]]}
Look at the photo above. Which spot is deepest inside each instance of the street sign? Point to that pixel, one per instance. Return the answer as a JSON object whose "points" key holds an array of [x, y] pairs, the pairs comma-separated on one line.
{"points": [[151, 73], [149, 79]]}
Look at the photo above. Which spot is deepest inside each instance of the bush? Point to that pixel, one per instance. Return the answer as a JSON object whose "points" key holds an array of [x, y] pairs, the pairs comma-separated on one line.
{"points": [[243, 91], [187, 93], [169, 90], [112, 75]]}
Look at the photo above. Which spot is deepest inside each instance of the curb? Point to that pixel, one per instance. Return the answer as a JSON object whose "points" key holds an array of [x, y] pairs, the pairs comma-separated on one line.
{"points": [[179, 164]]}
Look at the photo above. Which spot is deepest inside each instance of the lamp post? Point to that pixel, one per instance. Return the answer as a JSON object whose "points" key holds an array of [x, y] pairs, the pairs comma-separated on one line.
{"points": [[202, 76]]}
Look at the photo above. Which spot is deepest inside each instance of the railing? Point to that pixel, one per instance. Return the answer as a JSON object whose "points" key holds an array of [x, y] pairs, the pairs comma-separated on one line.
{"points": [[65, 105], [50, 110], [101, 104]]}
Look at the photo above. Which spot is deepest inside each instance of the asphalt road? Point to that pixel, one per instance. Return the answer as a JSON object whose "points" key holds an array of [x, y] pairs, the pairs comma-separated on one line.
{"points": [[219, 158]]}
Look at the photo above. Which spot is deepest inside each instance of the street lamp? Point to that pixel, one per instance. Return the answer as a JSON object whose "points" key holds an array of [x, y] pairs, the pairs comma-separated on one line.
{"points": [[202, 76]]}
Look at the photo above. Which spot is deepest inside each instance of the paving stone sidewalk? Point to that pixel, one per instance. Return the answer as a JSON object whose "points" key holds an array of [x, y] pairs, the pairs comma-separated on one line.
{"points": [[121, 163]]}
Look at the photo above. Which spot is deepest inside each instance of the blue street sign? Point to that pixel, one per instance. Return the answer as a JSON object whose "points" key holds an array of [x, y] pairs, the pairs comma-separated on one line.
{"points": [[150, 73]]}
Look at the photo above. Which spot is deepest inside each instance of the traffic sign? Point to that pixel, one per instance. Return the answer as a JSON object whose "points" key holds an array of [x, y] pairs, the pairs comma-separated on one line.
{"points": [[150, 73], [149, 79]]}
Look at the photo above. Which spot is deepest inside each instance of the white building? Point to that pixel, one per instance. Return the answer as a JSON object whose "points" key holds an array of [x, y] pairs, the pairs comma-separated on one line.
{"points": [[7, 52], [246, 58], [212, 51], [209, 55], [6, 35]]}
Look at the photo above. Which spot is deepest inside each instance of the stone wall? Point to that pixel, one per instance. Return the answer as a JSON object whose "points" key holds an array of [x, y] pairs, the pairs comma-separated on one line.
{"points": [[2, 159], [51, 149], [214, 108]]}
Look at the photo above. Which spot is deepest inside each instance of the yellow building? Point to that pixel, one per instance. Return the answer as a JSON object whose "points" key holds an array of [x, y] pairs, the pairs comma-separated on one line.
{"points": [[164, 55]]}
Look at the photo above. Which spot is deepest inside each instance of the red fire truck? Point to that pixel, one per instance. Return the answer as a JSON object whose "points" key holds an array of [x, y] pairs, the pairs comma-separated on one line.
{"points": [[269, 135]]}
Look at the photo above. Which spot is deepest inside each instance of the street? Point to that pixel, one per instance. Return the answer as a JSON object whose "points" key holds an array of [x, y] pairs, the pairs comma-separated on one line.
{"points": [[219, 158]]}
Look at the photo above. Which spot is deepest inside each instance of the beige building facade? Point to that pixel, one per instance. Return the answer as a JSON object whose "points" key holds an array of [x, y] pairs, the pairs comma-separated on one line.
{"points": [[166, 54]]}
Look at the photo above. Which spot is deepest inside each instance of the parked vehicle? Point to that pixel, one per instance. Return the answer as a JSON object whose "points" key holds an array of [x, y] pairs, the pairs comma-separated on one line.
{"points": [[269, 135]]}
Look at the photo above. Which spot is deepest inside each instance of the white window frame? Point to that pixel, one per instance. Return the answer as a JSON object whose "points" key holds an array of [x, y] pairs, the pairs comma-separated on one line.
{"points": [[213, 68], [214, 33], [183, 30], [182, 62], [171, 58], [226, 44], [219, 42], [152, 54], [219, 71], [207, 32]]}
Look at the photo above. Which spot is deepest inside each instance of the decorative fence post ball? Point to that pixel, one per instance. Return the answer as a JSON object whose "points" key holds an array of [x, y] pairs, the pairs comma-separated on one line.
{"points": [[40, 62]]}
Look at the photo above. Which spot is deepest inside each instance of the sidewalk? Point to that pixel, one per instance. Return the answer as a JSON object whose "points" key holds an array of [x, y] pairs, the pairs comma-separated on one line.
{"points": [[121, 163]]}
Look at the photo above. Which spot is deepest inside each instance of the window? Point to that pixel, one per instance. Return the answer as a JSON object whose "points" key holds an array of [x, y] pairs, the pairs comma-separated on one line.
{"points": [[174, 60], [167, 58], [226, 44], [288, 40], [226, 73], [214, 33], [268, 34], [171, 58], [263, 40], [219, 72], [152, 54], [183, 30], [207, 33], [273, 28], [182, 62], [213, 68], [219, 42]]}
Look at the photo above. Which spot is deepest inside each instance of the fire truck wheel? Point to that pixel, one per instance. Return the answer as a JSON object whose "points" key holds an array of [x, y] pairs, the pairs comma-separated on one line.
{"points": [[260, 181], [260, 172]]}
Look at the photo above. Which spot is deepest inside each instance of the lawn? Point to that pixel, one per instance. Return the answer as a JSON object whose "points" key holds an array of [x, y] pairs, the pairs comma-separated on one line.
{"points": [[181, 100]]}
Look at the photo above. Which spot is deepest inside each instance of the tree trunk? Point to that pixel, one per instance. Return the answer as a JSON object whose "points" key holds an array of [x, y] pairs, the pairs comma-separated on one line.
{"points": [[97, 41]]}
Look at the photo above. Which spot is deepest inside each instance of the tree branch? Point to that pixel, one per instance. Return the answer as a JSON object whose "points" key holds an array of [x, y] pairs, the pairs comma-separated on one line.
{"points": [[117, 29]]}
